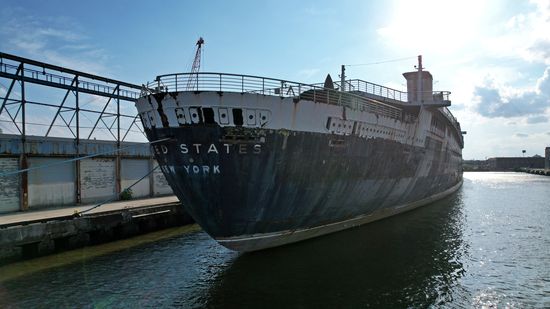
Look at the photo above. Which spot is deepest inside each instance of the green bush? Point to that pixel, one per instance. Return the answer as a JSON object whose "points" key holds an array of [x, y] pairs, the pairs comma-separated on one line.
{"points": [[126, 195]]}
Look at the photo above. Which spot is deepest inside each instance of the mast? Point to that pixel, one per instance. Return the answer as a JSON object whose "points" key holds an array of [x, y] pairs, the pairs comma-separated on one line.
{"points": [[419, 95], [343, 78]]}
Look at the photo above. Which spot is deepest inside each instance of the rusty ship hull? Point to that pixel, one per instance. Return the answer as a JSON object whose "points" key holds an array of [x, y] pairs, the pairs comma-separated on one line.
{"points": [[258, 170]]}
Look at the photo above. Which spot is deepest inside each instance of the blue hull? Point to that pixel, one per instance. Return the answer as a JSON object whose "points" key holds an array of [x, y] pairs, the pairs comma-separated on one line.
{"points": [[238, 182]]}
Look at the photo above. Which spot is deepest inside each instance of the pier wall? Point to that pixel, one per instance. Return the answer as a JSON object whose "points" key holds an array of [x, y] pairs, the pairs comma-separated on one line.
{"points": [[85, 181], [32, 234], [513, 163]]}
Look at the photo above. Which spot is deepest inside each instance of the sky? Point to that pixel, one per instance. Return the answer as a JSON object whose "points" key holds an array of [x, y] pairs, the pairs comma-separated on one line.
{"points": [[494, 56]]}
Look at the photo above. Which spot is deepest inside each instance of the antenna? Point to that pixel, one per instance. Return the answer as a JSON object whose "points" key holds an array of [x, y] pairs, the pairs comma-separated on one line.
{"points": [[343, 69], [420, 95], [343, 78], [194, 77]]}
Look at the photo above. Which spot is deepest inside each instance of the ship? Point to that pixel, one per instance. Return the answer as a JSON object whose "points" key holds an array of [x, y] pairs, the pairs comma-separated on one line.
{"points": [[261, 162]]}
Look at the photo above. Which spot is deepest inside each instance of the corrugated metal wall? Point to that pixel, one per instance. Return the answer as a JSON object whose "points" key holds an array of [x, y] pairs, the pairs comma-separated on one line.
{"points": [[57, 186], [132, 170], [160, 185], [97, 179], [9, 185], [51, 186]]}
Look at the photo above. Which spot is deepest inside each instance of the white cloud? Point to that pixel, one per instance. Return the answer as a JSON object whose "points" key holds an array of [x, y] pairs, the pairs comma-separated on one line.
{"points": [[491, 63], [59, 41], [490, 138], [65, 35], [433, 25], [492, 100], [537, 119], [526, 36]]}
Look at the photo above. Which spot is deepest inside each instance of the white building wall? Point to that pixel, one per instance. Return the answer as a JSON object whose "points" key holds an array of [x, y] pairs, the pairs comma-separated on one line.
{"points": [[51, 186], [9, 185], [97, 179], [131, 171]]}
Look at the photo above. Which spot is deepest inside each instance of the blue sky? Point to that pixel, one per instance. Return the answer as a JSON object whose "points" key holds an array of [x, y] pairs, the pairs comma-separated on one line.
{"points": [[494, 56]]}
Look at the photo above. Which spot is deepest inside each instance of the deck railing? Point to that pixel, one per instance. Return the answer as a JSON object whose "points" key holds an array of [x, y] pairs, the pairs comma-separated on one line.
{"points": [[224, 82], [375, 89], [447, 113]]}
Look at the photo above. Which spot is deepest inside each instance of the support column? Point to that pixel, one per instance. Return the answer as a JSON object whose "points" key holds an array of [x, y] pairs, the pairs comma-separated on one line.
{"points": [[118, 163], [118, 181], [78, 184], [24, 198]]}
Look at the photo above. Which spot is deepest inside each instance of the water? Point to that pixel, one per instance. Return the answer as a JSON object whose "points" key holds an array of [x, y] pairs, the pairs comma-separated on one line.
{"points": [[488, 246]]}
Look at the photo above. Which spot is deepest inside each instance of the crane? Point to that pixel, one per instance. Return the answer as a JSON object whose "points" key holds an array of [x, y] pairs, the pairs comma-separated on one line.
{"points": [[193, 80]]}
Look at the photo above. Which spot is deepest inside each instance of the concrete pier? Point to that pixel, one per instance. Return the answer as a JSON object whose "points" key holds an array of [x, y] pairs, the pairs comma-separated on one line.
{"points": [[36, 233], [536, 171]]}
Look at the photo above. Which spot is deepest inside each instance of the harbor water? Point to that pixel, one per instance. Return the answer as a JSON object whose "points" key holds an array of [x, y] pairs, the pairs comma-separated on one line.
{"points": [[487, 246]]}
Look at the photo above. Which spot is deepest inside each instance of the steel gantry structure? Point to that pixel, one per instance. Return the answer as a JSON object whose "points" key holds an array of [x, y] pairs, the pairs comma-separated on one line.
{"points": [[22, 70], [108, 96]]}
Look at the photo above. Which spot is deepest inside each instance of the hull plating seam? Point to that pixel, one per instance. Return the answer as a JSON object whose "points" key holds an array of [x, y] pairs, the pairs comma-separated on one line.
{"points": [[263, 241]]}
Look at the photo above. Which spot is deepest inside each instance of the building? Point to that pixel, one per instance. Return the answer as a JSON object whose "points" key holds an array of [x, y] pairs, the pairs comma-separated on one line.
{"points": [[547, 158], [513, 163], [58, 180]]}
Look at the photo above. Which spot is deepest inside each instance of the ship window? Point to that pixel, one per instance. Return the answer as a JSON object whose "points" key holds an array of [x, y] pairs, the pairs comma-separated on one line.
{"points": [[238, 117], [208, 115]]}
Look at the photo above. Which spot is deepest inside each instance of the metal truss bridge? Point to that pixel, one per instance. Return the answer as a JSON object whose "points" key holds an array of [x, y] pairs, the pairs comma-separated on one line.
{"points": [[108, 96]]}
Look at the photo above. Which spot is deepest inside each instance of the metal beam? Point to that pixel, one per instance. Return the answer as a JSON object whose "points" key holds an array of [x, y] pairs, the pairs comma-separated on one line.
{"points": [[10, 88], [132, 124], [28, 71], [102, 111], [60, 106], [63, 86], [24, 70], [68, 71]]}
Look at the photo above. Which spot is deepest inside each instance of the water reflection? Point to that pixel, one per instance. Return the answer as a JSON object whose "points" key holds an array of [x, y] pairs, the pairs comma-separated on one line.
{"points": [[485, 246], [407, 261], [150, 275]]}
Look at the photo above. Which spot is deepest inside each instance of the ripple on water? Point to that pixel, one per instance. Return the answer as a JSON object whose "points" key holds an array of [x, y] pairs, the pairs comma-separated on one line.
{"points": [[485, 247]]}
